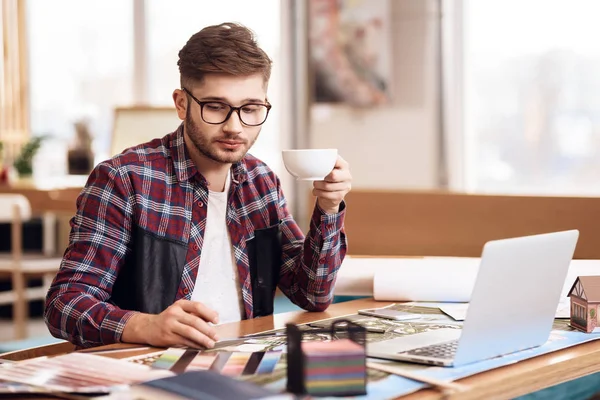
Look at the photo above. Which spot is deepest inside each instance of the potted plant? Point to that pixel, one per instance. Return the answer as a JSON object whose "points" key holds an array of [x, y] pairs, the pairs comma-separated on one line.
{"points": [[24, 162]]}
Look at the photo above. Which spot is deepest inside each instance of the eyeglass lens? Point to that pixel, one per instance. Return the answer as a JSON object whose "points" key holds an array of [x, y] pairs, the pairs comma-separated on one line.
{"points": [[250, 114]]}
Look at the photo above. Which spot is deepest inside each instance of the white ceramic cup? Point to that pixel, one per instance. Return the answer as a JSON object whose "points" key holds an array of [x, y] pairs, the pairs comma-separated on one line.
{"points": [[309, 164]]}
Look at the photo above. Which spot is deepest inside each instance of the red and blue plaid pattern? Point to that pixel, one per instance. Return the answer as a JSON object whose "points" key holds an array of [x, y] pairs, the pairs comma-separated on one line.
{"points": [[156, 186]]}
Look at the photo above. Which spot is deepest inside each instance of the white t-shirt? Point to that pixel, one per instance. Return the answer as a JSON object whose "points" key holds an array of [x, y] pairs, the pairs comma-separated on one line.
{"points": [[217, 283]]}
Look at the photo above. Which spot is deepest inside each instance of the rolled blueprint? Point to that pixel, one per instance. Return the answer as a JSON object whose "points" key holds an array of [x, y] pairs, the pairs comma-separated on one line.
{"points": [[436, 279], [439, 279]]}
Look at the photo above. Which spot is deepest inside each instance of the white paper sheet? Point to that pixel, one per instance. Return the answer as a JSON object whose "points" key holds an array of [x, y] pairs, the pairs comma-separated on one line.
{"points": [[438, 279], [357, 274], [458, 311], [447, 279]]}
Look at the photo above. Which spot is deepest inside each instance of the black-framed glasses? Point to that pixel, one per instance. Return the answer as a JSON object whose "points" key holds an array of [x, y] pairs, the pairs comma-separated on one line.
{"points": [[216, 112]]}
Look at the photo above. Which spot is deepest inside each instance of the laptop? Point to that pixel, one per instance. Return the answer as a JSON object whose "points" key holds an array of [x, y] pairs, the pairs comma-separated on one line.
{"points": [[512, 308]]}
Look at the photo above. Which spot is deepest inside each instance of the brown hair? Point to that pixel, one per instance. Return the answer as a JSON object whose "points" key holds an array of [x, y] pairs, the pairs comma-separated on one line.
{"points": [[228, 48]]}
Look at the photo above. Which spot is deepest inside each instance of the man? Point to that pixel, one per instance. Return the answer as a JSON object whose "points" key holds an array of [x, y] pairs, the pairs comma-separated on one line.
{"points": [[183, 232]]}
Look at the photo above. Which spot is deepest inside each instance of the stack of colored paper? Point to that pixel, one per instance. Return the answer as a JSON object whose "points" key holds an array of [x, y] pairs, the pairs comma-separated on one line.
{"points": [[79, 373], [335, 368]]}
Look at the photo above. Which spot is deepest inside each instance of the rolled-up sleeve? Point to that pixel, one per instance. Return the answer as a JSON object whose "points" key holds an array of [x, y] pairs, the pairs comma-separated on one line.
{"points": [[310, 264]]}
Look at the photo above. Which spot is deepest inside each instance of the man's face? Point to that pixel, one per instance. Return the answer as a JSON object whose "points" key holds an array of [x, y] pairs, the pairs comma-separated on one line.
{"points": [[229, 141]]}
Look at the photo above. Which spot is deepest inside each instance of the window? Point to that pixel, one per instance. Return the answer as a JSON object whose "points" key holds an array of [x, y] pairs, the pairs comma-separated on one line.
{"points": [[80, 66], [82, 62], [531, 96], [579, 311]]}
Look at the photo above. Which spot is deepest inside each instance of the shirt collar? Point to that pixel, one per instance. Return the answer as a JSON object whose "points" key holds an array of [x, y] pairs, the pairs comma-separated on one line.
{"points": [[185, 168]]}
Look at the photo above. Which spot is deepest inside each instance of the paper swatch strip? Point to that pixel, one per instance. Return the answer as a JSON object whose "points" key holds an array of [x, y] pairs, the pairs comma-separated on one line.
{"points": [[168, 359], [227, 363]]}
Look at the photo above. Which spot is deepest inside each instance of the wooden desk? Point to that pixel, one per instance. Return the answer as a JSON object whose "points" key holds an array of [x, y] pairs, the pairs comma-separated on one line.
{"points": [[502, 383]]}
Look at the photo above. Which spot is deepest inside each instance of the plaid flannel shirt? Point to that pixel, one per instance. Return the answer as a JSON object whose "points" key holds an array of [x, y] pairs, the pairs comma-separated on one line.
{"points": [[156, 186]]}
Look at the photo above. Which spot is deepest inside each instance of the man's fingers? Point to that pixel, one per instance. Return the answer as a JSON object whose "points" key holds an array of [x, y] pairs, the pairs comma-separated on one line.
{"points": [[199, 324], [199, 309], [338, 175], [190, 333], [331, 187], [188, 343], [341, 163], [334, 196]]}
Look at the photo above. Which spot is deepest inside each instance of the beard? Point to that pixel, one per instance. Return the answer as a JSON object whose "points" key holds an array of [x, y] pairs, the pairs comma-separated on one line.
{"points": [[208, 147]]}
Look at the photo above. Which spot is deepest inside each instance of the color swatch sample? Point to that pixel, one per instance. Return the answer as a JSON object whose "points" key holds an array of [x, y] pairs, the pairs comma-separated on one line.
{"points": [[220, 361], [253, 363], [202, 361], [185, 360], [168, 358], [235, 364], [268, 363], [334, 368], [231, 363], [79, 373]]}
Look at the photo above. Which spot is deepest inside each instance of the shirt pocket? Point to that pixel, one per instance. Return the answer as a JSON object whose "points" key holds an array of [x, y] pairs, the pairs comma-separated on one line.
{"points": [[264, 255]]}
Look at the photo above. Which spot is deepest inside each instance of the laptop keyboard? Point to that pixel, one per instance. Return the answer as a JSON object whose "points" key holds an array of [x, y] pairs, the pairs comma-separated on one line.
{"points": [[442, 350]]}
